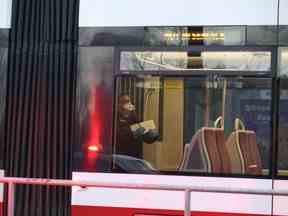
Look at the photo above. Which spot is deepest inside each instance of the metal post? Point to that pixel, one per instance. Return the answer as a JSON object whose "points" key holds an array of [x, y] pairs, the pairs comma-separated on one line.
{"points": [[11, 193], [187, 211]]}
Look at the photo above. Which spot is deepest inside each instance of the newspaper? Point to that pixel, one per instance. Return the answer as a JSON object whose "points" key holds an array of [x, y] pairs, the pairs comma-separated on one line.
{"points": [[147, 125]]}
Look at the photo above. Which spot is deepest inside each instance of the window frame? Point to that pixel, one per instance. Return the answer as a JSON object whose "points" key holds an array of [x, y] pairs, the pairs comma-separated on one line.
{"points": [[271, 74]]}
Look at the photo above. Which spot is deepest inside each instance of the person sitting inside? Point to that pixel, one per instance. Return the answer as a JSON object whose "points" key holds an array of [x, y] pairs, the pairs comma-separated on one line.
{"points": [[129, 142]]}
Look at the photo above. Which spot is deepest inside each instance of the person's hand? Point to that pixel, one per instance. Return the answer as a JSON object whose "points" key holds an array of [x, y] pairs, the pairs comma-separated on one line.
{"points": [[151, 136], [139, 132]]}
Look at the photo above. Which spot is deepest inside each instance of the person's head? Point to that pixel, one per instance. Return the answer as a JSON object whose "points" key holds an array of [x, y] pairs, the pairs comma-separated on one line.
{"points": [[124, 104]]}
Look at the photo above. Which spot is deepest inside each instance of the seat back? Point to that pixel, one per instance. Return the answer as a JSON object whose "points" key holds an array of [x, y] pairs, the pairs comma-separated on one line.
{"points": [[206, 152], [222, 150], [195, 158], [244, 151], [184, 158], [235, 154]]}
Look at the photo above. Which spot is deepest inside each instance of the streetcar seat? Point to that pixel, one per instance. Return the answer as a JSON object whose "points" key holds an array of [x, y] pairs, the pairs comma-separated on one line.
{"points": [[206, 152], [243, 151], [185, 155], [223, 152], [195, 155]]}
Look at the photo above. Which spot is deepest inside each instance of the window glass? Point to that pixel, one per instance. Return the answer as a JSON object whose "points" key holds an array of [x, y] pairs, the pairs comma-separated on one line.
{"points": [[250, 101], [111, 36], [195, 35], [282, 129], [262, 35], [232, 35], [183, 36], [92, 151], [205, 125], [228, 61], [283, 114], [283, 62], [166, 36], [283, 35]]}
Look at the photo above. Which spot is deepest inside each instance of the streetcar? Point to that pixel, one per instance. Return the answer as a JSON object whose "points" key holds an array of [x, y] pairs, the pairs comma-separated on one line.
{"points": [[181, 93], [184, 106]]}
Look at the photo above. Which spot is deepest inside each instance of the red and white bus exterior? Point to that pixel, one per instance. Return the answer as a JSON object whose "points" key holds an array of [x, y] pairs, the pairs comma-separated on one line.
{"points": [[121, 202]]}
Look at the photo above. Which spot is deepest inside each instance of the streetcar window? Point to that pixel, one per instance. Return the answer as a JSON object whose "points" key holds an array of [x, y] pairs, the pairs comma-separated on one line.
{"points": [[211, 125], [283, 66], [224, 61], [283, 35], [183, 36], [283, 114], [93, 149], [282, 129], [249, 99], [262, 35]]}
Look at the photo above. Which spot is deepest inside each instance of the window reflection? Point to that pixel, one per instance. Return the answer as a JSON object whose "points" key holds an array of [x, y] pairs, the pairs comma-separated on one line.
{"points": [[283, 114], [250, 101], [233, 35], [283, 66], [283, 128], [262, 35], [94, 106], [240, 61], [283, 35], [185, 36]]}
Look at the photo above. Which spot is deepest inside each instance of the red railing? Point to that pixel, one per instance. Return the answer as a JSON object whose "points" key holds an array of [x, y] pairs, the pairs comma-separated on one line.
{"points": [[69, 183]]}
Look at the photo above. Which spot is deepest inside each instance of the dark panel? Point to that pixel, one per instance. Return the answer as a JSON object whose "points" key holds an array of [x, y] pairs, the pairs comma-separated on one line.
{"points": [[283, 35], [181, 36], [4, 37], [111, 36], [156, 36], [282, 128], [3, 74], [262, 35], [40, 108]]}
